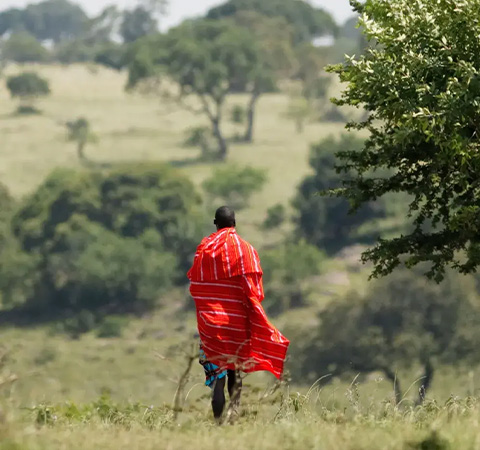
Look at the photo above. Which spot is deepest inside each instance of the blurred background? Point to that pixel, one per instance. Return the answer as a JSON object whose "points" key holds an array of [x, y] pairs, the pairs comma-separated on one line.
{"points": [[123, 126]]}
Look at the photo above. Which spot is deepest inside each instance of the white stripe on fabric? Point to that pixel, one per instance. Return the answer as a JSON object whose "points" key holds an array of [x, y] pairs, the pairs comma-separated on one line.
{"points": [[223, 327], [240, 252], [233, 286], [221, 313], [218, 299], [228, 341]]}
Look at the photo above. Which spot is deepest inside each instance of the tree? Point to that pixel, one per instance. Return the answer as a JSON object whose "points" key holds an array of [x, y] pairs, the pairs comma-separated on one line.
{"points": [[205, 60], [107, 240], [137, 23], [111, 55], [27, 87], [402, 322], [299, 110], [80, 133], [307, 22], [54, 20], [419, 81], [287, 271], [324, 221], [22, 47], [235, 185], [275, 40]]}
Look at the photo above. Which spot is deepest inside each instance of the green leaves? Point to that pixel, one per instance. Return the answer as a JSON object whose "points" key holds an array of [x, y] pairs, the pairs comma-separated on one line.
{"points": [[420, 83]]}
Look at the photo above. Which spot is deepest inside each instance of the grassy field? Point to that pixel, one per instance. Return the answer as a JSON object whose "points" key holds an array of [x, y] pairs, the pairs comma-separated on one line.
{"points": [[55, 403], [133, 127]]}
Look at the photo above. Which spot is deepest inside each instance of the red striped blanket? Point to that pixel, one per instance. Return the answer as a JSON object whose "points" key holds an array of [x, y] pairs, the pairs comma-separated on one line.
{"points": [[226, 284]]}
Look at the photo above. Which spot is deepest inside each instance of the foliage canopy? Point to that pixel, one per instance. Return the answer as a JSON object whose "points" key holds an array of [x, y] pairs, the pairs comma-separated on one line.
{"points": [[420, 82]]}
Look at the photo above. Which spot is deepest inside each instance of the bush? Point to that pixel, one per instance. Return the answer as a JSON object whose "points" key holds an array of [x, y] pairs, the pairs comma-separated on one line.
{"points": [[287, 268], [276, 216], [108, 241], [325, 221], [111, 327], [28, 86], [111, 55], [75, 52], [238, 114], [201, 137], [24, 48], [235, 185]]}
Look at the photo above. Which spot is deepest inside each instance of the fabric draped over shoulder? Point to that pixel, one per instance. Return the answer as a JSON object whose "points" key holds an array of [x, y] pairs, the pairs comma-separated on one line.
{"points": [[226, 284], [224, 255]]}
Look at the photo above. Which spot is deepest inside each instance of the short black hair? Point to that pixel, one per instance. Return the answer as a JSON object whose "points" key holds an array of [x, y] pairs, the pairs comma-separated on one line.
{"points": [[225, 217]]}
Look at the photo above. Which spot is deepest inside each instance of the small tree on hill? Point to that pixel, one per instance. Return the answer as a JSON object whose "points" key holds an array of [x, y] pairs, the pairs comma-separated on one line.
{"points": [[235, 185], [205, 60], [79, 132], [27, 87], [23, 48], [403, 322]]}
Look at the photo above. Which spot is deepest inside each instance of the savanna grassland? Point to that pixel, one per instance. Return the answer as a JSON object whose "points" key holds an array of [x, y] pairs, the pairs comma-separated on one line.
{"points": [[91, 392]]}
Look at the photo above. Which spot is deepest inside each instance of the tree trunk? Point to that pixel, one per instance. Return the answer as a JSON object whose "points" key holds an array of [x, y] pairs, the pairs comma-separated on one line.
{"points": [[222, 143], [251, 117], [81, 151], [426, 381], [392, 376]]}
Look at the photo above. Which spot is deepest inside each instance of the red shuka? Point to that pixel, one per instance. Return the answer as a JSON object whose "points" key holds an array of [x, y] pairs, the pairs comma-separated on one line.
{"points": [[226, 284]]}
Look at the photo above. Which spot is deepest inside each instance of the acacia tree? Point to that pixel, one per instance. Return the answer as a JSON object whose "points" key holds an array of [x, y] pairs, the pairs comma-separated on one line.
{"points": [[420, 81], [27, 87], [79, 131], [401, 323], [275, 40], [205, 59]]}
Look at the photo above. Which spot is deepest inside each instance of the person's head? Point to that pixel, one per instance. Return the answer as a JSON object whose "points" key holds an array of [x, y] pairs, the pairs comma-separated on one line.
{"points": [[224, 218]]}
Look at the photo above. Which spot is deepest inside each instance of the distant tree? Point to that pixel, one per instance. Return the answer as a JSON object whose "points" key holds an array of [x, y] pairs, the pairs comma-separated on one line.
{"points": [[350, 29], [27, 87], [299, 110], [314, 81], [325, 221], [111, 55], [79, 132], [54, 20], [6, 208], [137, 23], [276, 217], [205, 60], [22, 47], [422, 126], [275, 42], [307, 21], [235, 185], [287, 270], [201, 137], [11, 21], [101, 29], [108, 240], [78, 51], [400, 323]]}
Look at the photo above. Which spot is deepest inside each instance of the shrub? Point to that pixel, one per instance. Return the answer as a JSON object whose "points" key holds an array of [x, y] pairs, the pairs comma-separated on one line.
{"points": [[27, 87], [23, 48], [276, 216], [111, 327], [287, 268], [108, 241], [235, 185], [238, 114]]}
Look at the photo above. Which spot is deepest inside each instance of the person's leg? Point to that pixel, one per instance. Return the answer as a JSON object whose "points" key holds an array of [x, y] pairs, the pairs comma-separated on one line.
{"points": [[218, 397], [234, 387]]}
